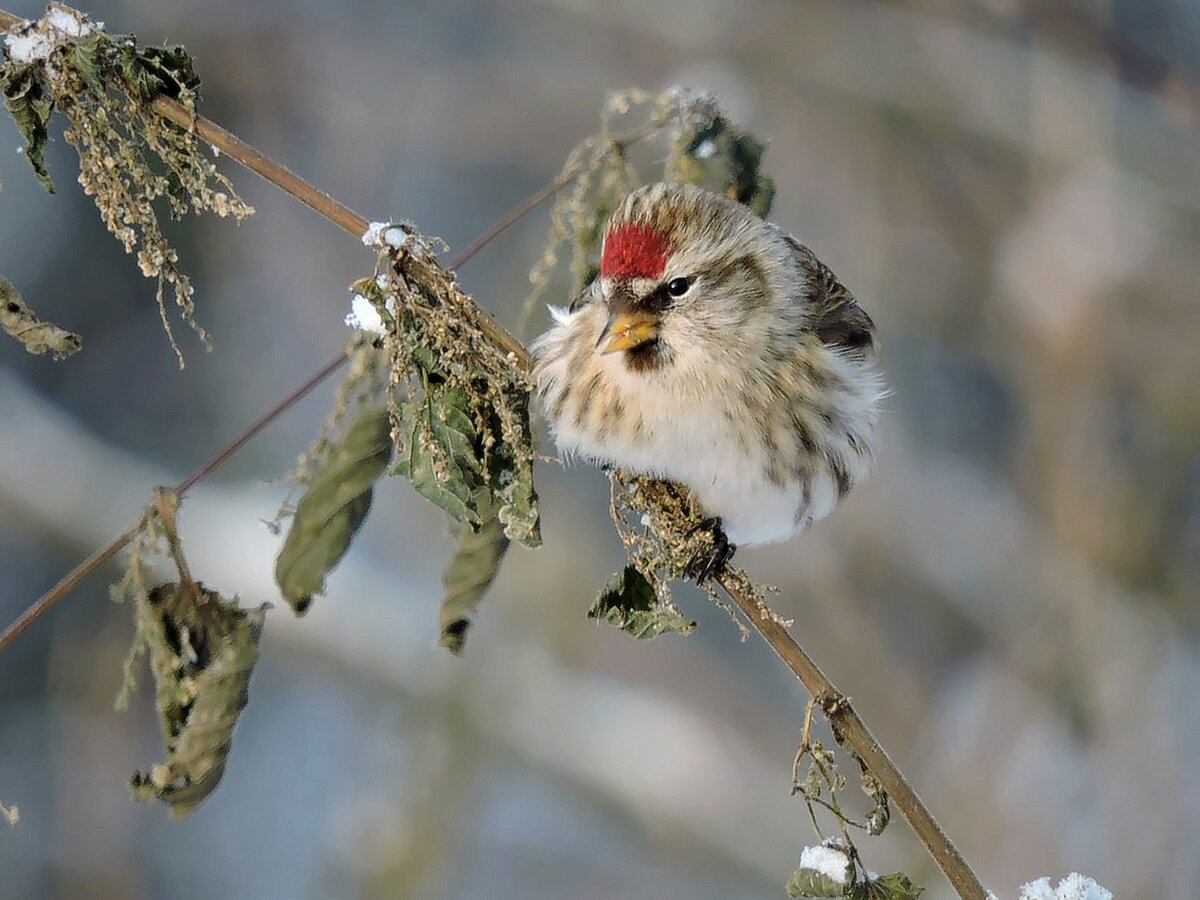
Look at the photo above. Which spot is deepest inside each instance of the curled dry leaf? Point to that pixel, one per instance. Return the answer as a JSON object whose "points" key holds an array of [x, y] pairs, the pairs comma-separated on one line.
{"points": [[26, 326], [202, 652], [333, 509], [715, 154], [629, 602]]}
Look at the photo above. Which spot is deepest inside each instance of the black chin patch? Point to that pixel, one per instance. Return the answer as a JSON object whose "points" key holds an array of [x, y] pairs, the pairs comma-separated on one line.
{"points": [[647, 357]]}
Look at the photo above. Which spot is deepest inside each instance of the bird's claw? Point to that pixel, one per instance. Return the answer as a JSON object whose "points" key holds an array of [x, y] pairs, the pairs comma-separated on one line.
{"points": [[709, 562]]}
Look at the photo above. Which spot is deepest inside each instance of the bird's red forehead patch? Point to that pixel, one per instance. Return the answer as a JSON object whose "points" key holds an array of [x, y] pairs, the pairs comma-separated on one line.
{"points": [[634, 250]]}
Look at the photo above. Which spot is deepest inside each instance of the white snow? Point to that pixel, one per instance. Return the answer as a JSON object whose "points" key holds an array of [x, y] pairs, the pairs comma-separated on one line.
{"points": [[365, 317], [1073, 887], [373, 236], [827, 861], [43, 37], [68, 23], [28, 48], [385, 234]]}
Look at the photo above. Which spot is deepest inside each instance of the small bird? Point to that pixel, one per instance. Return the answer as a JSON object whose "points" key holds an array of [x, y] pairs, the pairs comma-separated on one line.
{"points": [[718, 352]]}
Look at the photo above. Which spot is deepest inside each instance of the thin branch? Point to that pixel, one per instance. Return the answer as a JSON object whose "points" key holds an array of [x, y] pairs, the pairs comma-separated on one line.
{"points": [[848, 727]]}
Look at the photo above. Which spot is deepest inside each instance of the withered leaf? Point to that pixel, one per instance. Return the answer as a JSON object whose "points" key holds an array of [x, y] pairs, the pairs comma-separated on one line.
{"points": [[467, 578], [30, 106], [719, 156], [515, 498], [628, 602], [202, 652], [333, 509], [38, 336]]}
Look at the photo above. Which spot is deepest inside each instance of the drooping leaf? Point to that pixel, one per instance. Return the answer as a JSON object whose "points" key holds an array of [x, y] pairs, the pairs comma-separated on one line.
{"points": [[38, 336], [467, 579], [333, 509], [202, 652], [31, 107], [628, 602], [437, 452]]}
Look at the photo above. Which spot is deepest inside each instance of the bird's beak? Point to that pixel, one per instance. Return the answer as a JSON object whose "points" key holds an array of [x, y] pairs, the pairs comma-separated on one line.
{"points": [[628, 329]]}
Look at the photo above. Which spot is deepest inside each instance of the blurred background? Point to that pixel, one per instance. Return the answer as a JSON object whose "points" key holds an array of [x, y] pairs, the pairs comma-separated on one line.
{"points": [[1011, 188]]}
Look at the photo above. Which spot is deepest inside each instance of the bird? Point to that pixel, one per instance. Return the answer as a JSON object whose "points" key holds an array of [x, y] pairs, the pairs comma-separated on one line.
{"points": [[716, 351]]}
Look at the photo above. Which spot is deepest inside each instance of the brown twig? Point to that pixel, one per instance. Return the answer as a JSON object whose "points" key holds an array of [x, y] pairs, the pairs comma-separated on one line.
{"points": [[847, 726], [850, 730]]}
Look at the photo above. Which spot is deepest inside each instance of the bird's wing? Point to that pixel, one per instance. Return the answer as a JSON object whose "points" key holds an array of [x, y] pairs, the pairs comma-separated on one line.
{"points": [[839, 319]]}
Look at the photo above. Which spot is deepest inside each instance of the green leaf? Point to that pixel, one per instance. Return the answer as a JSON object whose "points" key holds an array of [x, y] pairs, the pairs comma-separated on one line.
{"points": [[896, 886], [333, 509], [467, 579], [31, 107], [202, 652], [438, 453], [628, 602]]}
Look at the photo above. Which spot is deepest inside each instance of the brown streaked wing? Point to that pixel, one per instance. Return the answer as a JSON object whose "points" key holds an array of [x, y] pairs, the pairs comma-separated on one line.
{"points": [[840, 320]]}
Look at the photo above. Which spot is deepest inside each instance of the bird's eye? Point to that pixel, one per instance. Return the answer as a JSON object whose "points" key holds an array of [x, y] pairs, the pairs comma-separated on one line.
{"points": [[677, 287]]}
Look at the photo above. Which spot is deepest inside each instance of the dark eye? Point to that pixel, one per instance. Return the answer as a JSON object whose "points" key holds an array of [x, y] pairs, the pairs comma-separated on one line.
{"points": [[677, 287]]}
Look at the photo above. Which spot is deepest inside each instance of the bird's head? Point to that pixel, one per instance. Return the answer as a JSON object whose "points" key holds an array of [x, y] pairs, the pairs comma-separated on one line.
{"points": [[686, 272]]}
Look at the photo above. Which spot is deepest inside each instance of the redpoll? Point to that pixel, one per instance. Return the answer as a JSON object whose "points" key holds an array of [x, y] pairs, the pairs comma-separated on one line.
{"points": [[718, 352]]}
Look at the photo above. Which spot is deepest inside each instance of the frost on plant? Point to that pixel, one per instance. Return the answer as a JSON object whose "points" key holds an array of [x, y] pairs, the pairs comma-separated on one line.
{"points": [[129, 156]]}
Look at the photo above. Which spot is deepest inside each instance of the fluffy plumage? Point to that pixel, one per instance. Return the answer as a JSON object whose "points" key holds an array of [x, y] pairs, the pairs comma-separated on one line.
{"points": [[716, 351]]}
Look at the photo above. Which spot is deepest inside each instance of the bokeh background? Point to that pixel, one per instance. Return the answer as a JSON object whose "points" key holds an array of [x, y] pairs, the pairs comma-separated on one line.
{"points": [[1011, 187]]}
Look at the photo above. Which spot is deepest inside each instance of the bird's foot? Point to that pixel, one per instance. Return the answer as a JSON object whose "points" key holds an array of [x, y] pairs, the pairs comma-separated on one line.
{"points": [[710, 561]]}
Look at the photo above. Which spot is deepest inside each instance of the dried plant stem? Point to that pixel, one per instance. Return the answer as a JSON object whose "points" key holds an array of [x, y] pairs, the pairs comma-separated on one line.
{"points": [[847, 725], [850, 729], [72, 579]]}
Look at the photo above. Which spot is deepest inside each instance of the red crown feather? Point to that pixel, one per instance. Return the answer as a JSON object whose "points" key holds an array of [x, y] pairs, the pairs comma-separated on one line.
{"points": [[634, 250]]}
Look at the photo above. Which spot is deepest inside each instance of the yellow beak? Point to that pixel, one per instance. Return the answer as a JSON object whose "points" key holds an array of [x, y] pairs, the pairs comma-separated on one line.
{"points": [[626, 330]]}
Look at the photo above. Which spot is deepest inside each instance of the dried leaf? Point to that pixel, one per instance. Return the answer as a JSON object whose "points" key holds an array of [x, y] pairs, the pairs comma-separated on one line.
{"points": [[202, 653], [515, 498], [467, 579], [811, 883], [436, 452], [167, 70], [628, 602], [26, 326], [881, 814], [719, 156], [333, 509], [30, 107]]}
